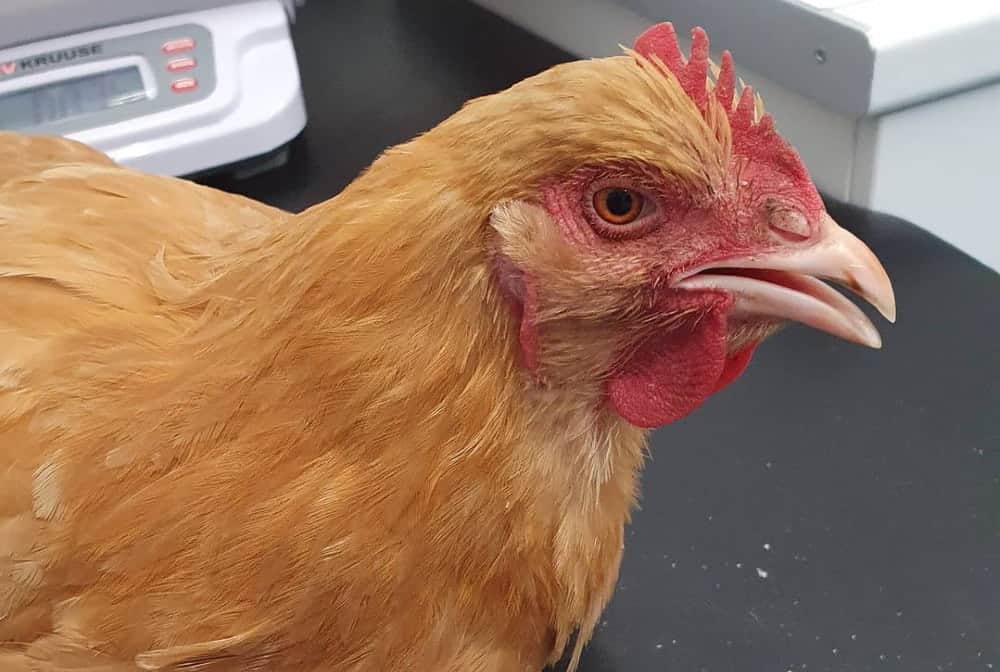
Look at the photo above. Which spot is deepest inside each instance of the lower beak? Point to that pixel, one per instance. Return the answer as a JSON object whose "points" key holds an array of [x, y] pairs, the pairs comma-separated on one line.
{"points": [[786, 285]]}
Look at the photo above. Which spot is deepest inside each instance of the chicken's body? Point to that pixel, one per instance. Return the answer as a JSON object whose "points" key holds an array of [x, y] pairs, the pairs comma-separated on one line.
{"points": [[399, 430], [183, 483]]}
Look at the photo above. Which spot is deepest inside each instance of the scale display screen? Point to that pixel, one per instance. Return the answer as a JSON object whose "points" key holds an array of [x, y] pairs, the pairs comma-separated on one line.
{"points": [[70, 98]]}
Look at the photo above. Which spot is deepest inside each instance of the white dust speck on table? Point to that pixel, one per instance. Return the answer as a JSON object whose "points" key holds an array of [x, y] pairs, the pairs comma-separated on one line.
{"points": [[739, 565], [659, 646], [834, 651], [767, 547], [674, 642], [762, 573], [854, 636]]}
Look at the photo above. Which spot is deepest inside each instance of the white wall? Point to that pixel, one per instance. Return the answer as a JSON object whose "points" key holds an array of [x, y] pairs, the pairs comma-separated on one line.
{"points": [[938, 165]]}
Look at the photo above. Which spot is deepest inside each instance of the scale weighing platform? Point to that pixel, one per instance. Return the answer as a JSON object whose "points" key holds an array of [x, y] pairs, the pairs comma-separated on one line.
{"points": [[176, 87]]}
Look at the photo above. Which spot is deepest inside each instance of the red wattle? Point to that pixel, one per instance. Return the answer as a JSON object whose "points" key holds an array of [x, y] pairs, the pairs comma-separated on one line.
{"points": [[673, 373], [735, 365]]}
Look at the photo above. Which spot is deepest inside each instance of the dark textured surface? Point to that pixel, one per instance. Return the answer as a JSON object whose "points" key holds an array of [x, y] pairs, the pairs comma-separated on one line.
{"points": [[866, 485]]}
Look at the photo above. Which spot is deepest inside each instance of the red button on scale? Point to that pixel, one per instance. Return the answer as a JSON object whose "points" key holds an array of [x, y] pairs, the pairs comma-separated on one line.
{"points": [[180, 44], [184, 85], [181, 64]]}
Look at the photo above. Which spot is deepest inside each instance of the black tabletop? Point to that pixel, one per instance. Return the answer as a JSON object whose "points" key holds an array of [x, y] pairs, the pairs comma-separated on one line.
{"points": [[836, 508]]}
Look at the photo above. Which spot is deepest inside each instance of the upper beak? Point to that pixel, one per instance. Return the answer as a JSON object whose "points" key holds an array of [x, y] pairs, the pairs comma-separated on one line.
{"points": [[783, 284]]}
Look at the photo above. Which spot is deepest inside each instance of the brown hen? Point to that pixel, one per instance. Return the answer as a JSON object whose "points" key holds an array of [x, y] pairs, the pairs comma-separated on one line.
{"points": [[400, 430]]}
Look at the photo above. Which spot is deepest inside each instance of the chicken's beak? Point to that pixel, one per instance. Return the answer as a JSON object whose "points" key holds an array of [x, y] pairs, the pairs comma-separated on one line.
{"points": [[784, 285]]}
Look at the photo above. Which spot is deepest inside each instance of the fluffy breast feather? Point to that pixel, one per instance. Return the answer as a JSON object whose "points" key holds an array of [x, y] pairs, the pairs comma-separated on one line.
{"points": [[93, 256]]}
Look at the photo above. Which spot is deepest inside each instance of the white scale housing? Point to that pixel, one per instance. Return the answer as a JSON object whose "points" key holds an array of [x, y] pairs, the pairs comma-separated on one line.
{"points": [[178, 94]]}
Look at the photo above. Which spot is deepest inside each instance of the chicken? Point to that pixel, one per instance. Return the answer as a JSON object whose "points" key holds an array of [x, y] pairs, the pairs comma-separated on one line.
{"points": [[400, 430]]}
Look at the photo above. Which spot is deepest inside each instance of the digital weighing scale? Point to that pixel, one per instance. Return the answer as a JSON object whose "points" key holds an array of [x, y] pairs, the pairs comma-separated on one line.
{"points": [[175, 87]]}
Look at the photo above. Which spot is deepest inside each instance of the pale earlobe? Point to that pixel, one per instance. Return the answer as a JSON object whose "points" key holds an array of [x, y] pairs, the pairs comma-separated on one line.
{"points": [[531, 240], [519, 226]]}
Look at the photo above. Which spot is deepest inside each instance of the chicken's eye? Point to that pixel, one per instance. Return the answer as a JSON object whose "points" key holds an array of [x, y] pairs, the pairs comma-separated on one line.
{"points": [[617, 205]]}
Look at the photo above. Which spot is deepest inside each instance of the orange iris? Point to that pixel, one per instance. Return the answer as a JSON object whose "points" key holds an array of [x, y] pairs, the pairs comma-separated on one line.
{"points": [[617, 205]]}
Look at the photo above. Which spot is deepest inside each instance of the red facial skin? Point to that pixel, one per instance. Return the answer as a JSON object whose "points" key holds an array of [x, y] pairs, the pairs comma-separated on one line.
{"points": [[670, 375], [683, 228]]}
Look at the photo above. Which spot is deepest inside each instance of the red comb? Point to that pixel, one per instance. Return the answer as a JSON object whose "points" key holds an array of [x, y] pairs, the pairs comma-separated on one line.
{"points": [[751, 137], [692, 73]]}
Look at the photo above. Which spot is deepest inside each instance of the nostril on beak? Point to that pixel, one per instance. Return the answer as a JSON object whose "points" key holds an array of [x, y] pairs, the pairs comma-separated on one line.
{"points": [[789, 225]]}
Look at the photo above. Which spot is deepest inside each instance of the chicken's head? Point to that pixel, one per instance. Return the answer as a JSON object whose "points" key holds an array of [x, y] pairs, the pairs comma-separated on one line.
{"points": [[659, 228]]}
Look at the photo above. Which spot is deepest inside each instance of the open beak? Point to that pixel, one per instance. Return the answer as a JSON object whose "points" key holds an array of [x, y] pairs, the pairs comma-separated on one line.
{"points": [[785, 285]]}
